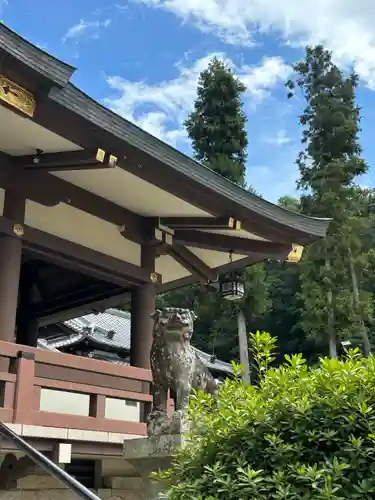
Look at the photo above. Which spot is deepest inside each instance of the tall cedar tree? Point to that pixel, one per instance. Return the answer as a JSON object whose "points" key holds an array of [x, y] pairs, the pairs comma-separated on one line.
{"points": [[334, 304], [216, 128], [283, 318]]}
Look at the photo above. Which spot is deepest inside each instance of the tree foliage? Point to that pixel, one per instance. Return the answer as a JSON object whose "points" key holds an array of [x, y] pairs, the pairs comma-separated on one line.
{"points": [[216, 126], [328, 297], [335, 304], [302, 433]]}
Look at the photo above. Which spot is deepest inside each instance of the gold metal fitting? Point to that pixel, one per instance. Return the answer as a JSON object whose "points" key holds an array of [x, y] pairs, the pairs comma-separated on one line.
{"points": [[100, 155], [295, 254], [112, 161], [153, 277], [18, 230]]}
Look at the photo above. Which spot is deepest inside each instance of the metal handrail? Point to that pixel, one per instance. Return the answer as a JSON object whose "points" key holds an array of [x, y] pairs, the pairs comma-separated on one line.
{"points": [[47, 464]]}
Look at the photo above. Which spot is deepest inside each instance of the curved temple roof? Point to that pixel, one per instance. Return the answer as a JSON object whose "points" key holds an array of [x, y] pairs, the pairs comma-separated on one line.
{"points": [[111, 329], [101, 189]]}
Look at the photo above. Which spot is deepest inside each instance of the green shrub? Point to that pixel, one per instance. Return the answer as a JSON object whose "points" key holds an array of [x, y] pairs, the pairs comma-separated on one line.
{"points": [[302, 433]]}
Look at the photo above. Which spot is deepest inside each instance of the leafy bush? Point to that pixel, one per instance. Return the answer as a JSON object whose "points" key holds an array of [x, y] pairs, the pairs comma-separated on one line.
{"points": [[302, 433]]}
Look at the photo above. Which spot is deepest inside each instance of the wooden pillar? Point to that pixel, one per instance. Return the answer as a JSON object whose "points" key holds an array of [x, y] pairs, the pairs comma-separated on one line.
{"points": [[27, 325], [10, 265], [142, 306]]}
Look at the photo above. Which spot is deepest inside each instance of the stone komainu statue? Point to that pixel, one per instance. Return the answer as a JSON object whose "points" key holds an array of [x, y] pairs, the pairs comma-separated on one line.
{"points": [[176, 367]]}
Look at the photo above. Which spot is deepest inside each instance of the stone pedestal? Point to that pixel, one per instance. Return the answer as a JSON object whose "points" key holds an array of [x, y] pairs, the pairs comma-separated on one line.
{"points": [[149, 455]]}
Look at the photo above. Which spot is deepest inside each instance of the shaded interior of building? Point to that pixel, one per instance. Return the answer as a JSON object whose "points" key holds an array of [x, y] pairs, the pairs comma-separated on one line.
{"points": [[52, 300], [50, 294]]}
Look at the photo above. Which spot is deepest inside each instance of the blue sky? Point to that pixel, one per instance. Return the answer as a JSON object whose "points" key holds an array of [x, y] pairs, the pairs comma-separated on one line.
{"points": [[142, 58]]}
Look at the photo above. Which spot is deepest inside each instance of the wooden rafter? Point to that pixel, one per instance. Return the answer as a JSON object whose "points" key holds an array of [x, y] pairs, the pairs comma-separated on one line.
{"points": [[192, 263]]}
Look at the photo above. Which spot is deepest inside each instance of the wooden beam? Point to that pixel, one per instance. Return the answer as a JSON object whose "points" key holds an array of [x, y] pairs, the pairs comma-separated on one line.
{"points": [[224, 243], [192, 263], [78, 257], [49, 190], [162, 249], [86, 159], [201, 222], [158, 236], [56, 305], [149, 232]]}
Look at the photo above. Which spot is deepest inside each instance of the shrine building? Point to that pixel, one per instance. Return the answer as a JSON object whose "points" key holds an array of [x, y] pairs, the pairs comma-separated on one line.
{"points": [[94, 211]]}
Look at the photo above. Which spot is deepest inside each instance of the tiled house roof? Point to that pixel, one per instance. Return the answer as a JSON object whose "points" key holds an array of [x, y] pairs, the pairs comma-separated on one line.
{"points": [[111, 327], [111, 330]]}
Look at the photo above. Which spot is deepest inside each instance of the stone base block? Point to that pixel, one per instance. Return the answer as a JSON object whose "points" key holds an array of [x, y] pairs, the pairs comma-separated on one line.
{"points": [[151, 454]]}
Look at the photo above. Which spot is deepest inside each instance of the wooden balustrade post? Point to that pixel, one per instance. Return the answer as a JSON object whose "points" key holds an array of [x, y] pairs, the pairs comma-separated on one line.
{"points": [[24, 405], [97, 406]]}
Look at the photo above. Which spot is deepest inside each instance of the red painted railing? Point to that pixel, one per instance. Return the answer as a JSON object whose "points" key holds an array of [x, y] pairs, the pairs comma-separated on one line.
{"points": [[26, 371]]}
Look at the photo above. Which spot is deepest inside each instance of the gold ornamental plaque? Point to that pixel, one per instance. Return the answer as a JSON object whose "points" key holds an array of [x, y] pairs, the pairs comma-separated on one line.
{"points": [[16, 96]]}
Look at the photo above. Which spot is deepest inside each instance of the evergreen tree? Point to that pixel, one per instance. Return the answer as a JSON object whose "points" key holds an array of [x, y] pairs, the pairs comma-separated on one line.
{"points": [[216, 126], [283, 317], [334, 304], [290, 203]]}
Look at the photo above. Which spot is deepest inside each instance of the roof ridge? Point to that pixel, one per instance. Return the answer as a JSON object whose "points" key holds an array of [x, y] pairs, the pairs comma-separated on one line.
{"points": [[118, 312]]}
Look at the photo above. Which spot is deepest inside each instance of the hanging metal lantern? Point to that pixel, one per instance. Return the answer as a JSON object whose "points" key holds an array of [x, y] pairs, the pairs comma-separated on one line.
{"points": [[232, 286]]}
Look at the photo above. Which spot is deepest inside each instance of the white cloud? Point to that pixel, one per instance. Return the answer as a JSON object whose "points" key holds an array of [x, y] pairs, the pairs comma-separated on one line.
{"points": [[279, 139], [161, 108], [85, 27], [344, 26], [3, 4], [273, 181]]}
